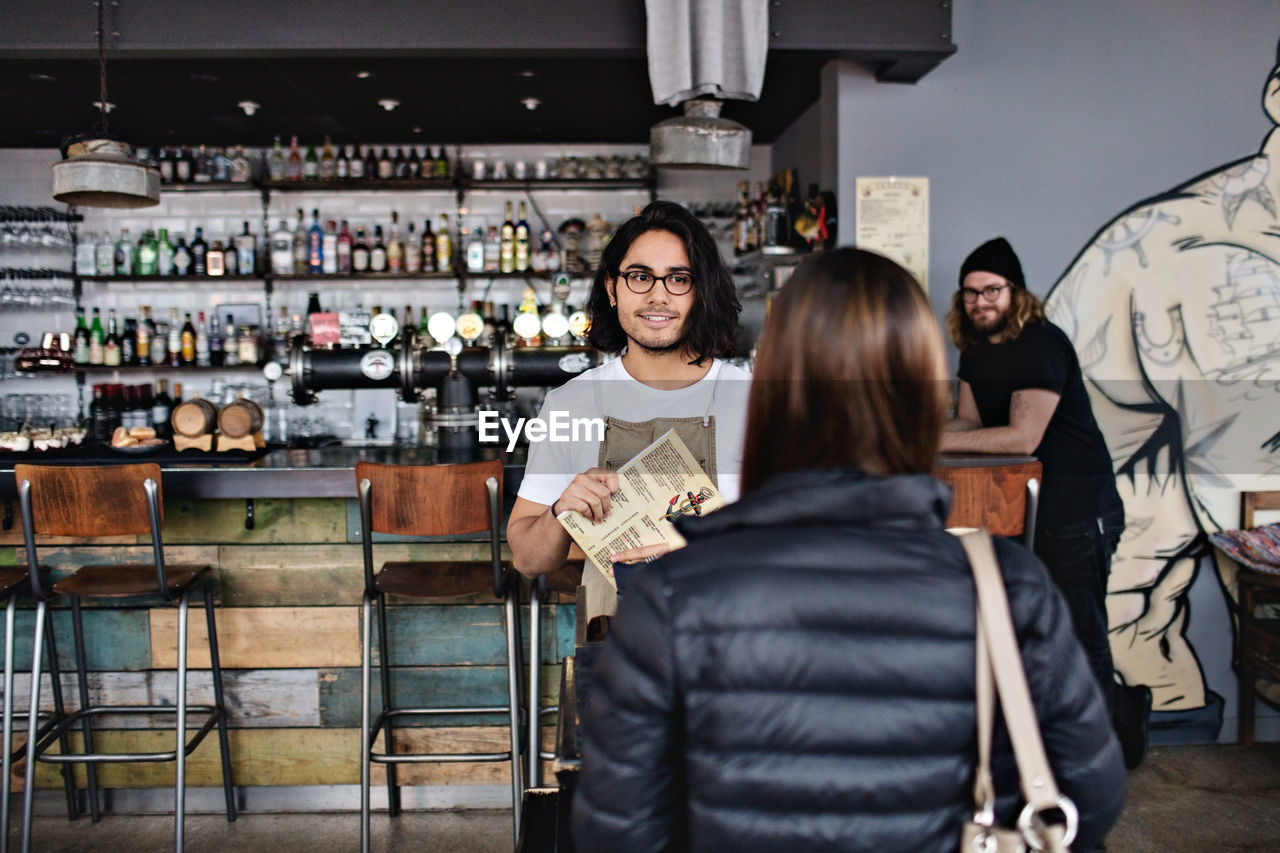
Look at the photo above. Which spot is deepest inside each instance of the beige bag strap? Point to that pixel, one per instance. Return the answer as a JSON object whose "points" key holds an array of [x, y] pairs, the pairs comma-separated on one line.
{"points": [[984, 791], [1039, 788]]}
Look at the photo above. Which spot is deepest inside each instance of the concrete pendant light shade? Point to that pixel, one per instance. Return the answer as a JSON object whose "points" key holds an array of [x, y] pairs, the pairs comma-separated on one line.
{"points": [[700, 139], [100, 173]]}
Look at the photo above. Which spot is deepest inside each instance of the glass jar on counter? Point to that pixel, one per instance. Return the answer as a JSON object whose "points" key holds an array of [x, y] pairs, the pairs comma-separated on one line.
{"points": [[247, 345]]}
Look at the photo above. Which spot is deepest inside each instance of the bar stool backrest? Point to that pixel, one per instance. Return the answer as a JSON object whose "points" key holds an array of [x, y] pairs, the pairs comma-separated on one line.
{"points": [[430, 500], [91, 501], [993, 497], [1251, 502]]}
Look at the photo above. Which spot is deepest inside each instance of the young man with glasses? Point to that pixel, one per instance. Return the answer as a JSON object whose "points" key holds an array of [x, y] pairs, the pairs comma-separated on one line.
{"points": [[1022, 392], [664, 298]]}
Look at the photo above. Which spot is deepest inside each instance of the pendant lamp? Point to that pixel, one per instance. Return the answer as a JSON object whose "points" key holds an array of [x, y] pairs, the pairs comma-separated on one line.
{"points": [[97, 169]]}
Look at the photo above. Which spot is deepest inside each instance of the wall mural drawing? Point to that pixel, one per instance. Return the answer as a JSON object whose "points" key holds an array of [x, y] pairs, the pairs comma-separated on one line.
{"points": [[1174, 309]]}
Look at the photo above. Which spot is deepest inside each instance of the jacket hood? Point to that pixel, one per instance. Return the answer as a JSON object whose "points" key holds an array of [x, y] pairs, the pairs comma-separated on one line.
{"points": [[830, 496]]}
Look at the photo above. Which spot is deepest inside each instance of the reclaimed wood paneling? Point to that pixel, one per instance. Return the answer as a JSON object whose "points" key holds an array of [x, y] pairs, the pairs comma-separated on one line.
{"points": [[302, 521], [438, 687], [262, 637]]}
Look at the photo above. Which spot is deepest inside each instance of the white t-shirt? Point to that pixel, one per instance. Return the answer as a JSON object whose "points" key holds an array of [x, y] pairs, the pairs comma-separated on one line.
{"points": [[722, 393]]}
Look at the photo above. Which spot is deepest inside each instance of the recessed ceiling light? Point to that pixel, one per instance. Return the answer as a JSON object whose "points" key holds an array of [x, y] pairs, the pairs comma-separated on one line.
{"points": [[249, 107], [204, 78], [417, 130], [98, 105], [526, 73], [362, 75], [42, 78], [388, 104], [531, 103]]}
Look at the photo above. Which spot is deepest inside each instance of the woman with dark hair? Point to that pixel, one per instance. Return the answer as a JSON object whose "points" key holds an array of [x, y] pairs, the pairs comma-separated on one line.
{"points": [[801, 676]]}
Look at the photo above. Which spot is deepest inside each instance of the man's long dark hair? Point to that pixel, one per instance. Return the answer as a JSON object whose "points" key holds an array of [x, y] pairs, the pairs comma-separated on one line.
{"points": [[711, 329]]}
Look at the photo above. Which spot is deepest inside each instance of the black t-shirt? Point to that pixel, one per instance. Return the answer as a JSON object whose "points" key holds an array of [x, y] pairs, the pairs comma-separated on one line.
{"points": [[1079, 484]]}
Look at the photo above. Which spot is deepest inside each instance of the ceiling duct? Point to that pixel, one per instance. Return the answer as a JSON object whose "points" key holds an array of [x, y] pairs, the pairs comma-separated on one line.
{"points": [[97, 169], [702, 52]]}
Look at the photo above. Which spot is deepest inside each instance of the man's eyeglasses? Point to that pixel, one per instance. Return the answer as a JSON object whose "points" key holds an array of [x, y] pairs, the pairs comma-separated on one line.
{"points": [[989, 294], [639, 281]]}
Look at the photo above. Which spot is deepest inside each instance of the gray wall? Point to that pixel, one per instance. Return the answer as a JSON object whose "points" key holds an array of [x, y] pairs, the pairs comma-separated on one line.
{"points": [[1055, 116]]}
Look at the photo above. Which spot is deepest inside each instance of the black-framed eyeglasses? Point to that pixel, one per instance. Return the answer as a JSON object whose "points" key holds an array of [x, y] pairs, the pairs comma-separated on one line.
{"points": [[990, 293], [639, 281]]}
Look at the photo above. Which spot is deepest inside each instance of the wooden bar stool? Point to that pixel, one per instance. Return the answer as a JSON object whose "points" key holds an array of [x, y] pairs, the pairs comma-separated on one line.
{"points": [[431, 500], [110, 501], [1258, 647], [13, 585], [1002, 498]]}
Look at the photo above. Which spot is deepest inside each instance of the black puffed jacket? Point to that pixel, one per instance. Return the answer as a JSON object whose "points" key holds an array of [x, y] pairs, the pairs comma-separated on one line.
{"points": [[801, 678]]}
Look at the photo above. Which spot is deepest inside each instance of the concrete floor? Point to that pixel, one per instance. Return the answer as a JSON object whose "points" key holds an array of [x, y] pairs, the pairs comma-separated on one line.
{"points": [[1183, 799]]}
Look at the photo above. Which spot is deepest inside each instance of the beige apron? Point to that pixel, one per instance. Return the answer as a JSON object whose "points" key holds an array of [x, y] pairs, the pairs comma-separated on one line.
{"points": [[622, 441]]}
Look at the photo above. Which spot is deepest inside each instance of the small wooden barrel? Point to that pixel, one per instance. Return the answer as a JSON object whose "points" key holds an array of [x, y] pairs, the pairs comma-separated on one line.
{"points": [[240, 419], [194, 418]]}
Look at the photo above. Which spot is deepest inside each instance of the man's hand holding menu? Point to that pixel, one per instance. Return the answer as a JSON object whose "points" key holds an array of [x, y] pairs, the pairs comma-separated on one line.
{"points": [[662, 483]]}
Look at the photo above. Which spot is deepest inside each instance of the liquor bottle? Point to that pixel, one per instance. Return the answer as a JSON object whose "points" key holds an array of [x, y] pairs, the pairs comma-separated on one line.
{"points": [[293, 166], [475, 251], [282, 250], [230, 257], [175, 339], [414, 164], [220, 165], [199, 253], [129, 342], [96, 338], [399, 166], [408, 319], [427, 248], [313, 303], [378, 253], [424, 334], [442, 163], [301, 259], [182, 165], [342, 166], [161, 409], [412, 252], [492, 249], [104, 254], [241, 170], [147, 253], [86, 255], [280, 338], [355, 166], [164, 253], [370, 164], [395, 246], [98, 429], [124, 254], [165, 164], [80, 340], [343, 250], [160, 344], [359, 252], [444, 246], [275, 162], [329, 248], [177, 394], [328, 162], [201, 340], [386, 167], [522, 240], [202, 166], [146, 332], [213, 339], [507, 243], [230, 348], [182, 257], [246, 251], [527, 325], [315, 245], [742, 222], [215, 259], [111, 343], [310, 165]]}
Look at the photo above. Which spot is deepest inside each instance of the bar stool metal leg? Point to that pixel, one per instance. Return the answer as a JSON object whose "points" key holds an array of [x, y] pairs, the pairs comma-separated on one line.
{"points": [[60, 713], [512, 616], [9, 615], [384, 671], [180, 782], [82, 680], [534, 771], [33, 724], [224, 739], [366, 735]]}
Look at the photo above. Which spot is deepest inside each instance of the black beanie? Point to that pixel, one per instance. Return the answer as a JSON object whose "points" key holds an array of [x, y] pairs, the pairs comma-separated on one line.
{"points": [[994, 256]]}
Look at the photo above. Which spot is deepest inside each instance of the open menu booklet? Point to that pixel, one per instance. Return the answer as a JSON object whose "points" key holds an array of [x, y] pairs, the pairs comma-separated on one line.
{"points": [[662, 483]]}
